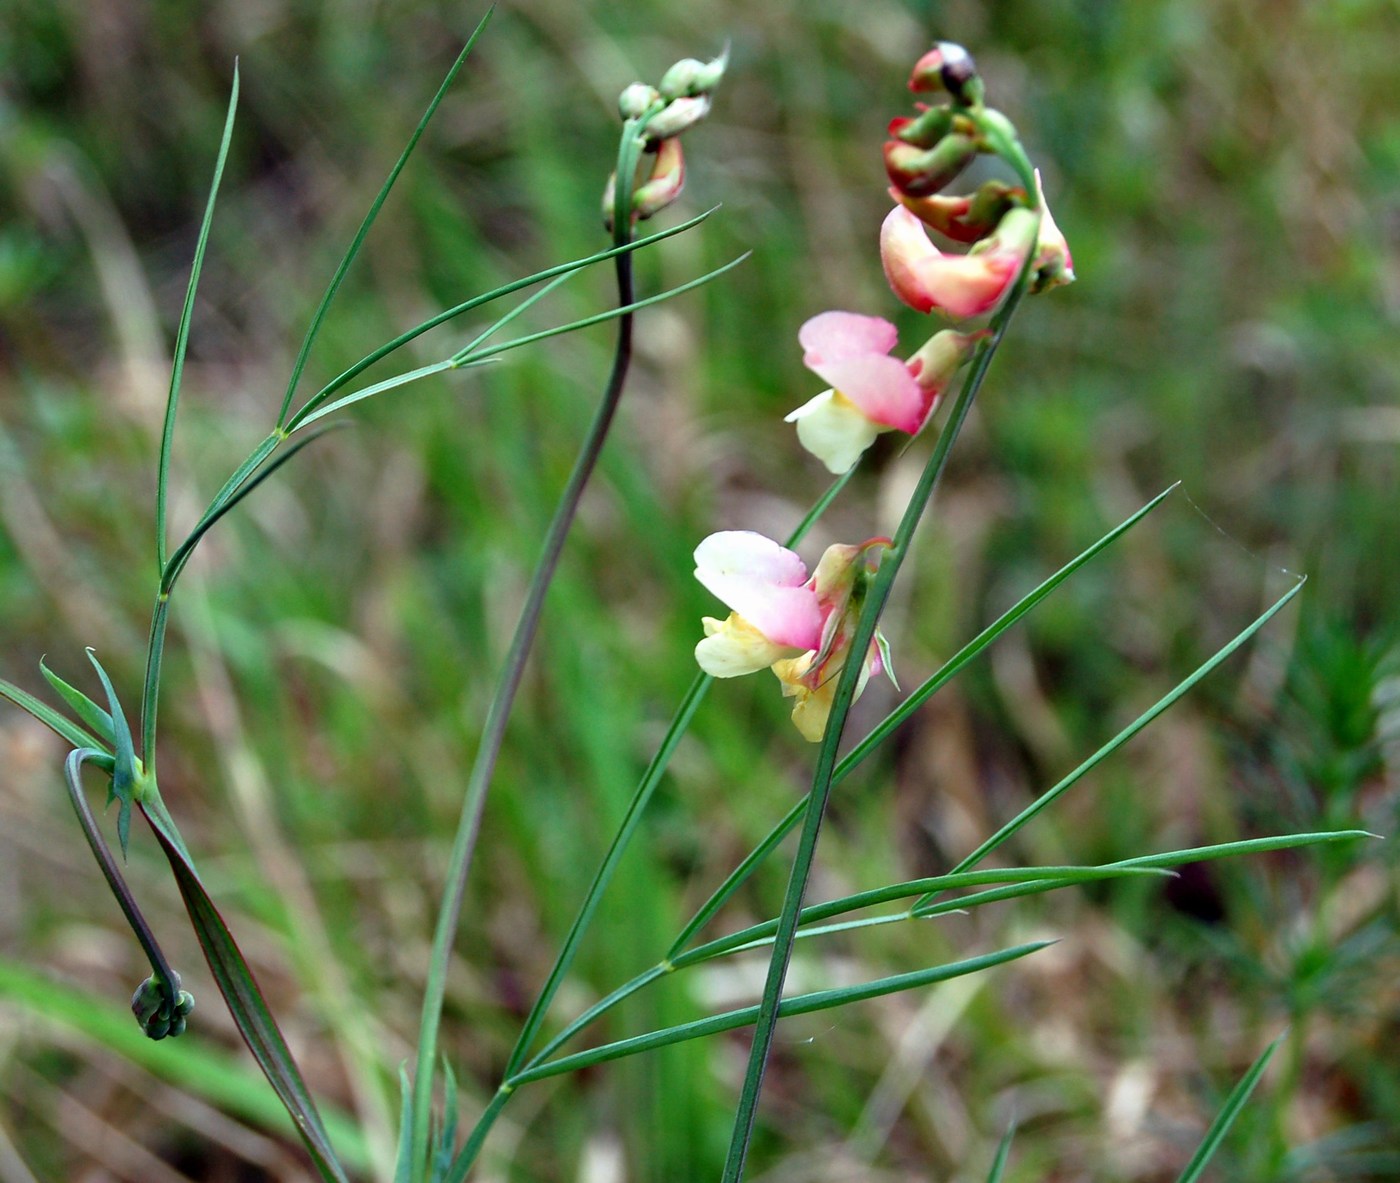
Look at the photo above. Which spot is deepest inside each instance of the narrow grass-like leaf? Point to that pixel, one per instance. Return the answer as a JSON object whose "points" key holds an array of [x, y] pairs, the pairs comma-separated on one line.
{"points": [[182, 333], [812, 913], [87, 710], [1229, 1111], [437, 367], [1003, 1156], [1171, 858], [1161, 705], [314, 329], [250, 1011], [347, 376], [195, 1066], [464, 358], [186, 548], [650, 779], [403, 1164], [950, 668], [60, 725], [801, 1004], [124, 770]]}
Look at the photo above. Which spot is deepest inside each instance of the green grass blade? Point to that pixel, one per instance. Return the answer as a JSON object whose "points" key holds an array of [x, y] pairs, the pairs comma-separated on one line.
{"points": [[182, 333], [1168, 700], [249, 1009], [403, 1164], [87, 710], [347, 376], [635, 808], [945, 673], [60, 725], [463, 358], [813, 913], [193, 1065], [437, 367], [801, 1004], [1226, 1117], [1003, 1156], [314, 329]]}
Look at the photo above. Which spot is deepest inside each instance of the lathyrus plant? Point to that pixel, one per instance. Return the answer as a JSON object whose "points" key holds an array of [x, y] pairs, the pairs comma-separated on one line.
{"points": [[818, 633]]}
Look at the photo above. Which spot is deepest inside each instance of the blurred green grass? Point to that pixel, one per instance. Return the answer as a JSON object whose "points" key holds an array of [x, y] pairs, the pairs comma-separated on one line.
{"points": [[1226, 175]]}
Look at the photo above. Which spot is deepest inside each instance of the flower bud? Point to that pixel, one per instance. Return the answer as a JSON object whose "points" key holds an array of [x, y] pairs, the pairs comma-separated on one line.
{"points": [[947, 69], [689, 77], [925, 129], [665, 182], [940, 358], [677, 116], [964, 219], [1053, 267], [921, 171], [633, 102]]}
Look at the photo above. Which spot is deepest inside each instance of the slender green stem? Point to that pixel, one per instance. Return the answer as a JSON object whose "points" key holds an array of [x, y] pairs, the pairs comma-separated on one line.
{"points": [[878, 593], [72, 770], [150, 690], [474, 798]]}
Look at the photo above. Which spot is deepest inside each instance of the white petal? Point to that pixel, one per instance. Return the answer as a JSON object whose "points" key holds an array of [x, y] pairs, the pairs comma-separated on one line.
{"points": [[833, 429], [734, 647]]}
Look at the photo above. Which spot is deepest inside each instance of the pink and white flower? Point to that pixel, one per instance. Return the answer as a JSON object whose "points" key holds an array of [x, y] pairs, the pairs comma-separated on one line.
{"points": [[960, 286], [871, 392], [800, 627]]}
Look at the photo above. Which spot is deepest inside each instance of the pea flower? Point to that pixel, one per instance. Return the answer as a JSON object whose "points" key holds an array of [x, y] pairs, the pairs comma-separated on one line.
{"points": [[800, 627], [871, 392], [960, 286]]}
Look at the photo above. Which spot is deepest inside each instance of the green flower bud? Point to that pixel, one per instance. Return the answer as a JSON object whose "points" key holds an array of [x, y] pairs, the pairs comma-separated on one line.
{"points": [[633, 102]]}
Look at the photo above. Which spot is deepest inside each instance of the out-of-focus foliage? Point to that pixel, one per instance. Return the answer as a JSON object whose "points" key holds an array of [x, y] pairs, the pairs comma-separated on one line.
{"points": [[1226, 174]]}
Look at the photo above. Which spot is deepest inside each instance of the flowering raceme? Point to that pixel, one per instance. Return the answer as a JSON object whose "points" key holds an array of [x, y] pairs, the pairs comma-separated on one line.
{"points": [[871, 392], [801, 628]]}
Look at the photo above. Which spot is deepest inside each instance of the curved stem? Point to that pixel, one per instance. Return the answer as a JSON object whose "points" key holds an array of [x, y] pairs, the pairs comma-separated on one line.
{"points": [[474, 798], [72, 773]]}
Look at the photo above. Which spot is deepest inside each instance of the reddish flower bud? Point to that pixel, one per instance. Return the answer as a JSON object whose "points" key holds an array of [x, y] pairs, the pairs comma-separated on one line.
{"points": [[921, 171], [665, 183], [947, 69], [964, 219]]}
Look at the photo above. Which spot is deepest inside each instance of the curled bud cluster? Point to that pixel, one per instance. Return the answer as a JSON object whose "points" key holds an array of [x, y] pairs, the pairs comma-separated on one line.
{"points": [[1005, 227], [662, 113], [161, 1007]]}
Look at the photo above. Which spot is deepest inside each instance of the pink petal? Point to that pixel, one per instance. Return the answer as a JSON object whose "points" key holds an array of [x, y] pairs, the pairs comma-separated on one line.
{"points": [[831, 336], [763, 582], [882, 387]]}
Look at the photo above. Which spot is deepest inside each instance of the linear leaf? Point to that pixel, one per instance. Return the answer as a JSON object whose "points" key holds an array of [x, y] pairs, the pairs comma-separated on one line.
{"points": [[1161, 705], [314, 329], [87, 710], [182, 333], [801, 1004], [60, 725], [1229, 1111], [249, 1009]]}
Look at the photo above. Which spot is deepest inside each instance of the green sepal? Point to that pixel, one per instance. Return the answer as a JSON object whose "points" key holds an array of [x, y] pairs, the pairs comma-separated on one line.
{"points": [[126, 772], [86, 710]]}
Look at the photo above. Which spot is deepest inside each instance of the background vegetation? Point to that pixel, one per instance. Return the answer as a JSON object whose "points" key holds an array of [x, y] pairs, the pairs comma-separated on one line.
{"points": [[1226, 172]]}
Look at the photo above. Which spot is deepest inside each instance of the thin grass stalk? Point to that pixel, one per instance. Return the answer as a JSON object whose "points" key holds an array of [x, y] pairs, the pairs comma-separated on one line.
{"points": [[498, 714], [770, 1004]]}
